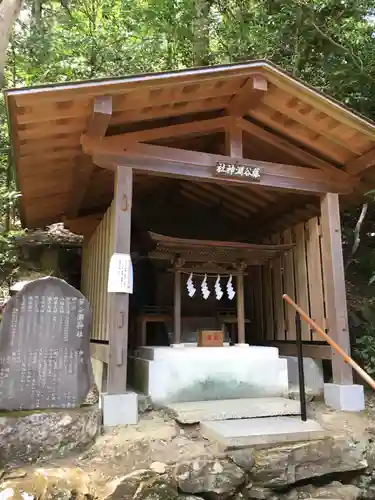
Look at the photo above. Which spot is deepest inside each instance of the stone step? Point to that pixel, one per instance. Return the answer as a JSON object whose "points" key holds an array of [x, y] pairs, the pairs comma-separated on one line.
{"points": [[232, 434], [229, 409]]}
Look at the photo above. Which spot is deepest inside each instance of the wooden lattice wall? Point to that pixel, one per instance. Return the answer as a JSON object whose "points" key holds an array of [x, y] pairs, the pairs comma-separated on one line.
{"points": [[95, 266], [299, 273]]}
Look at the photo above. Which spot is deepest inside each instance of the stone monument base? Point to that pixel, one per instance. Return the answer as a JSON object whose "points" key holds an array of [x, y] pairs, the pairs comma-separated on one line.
{"points": [[27, 436], [192, 373], [120, 409], [344, 397]]}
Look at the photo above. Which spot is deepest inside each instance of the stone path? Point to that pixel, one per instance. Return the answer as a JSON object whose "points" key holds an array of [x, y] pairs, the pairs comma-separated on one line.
{"points": [[198, 411], [261, 431]]}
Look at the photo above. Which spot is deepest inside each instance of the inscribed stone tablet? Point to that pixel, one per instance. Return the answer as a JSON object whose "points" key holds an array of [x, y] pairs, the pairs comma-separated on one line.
{"points": [[45, 347]]}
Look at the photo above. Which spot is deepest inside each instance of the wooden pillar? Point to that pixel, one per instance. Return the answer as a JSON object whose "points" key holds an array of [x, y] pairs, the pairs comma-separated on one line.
{"points": [[177, 307], [334, 285], [240, 309], [119, 302]]}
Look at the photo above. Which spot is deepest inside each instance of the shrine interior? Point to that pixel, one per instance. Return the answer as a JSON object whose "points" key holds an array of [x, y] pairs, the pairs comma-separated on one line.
{"points": [[202, 211]]}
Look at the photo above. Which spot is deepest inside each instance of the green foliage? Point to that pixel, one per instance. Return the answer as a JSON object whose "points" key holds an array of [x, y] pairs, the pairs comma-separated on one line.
{"points": [[364, 348], [365, 351]]}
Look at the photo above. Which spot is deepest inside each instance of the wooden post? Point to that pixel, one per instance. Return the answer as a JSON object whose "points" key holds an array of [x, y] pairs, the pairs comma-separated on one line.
{"points": [[177, 307], [240, 309], [334, 285], [119, 302]]}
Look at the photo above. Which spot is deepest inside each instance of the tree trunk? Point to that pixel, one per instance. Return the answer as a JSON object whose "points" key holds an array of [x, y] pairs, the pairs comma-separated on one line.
{"points": [[9, 12], [201, 27]]}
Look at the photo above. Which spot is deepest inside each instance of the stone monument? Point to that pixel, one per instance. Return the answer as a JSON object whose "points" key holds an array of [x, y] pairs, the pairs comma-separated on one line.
{"points": [[45, 347]]}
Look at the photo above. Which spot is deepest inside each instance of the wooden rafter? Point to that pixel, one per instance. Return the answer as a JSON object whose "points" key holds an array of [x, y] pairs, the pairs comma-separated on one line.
{"points": [[266, 223], [249, 96], [229, 202], [286, 146], [358, 165], [165, 161], [314, 141], [122, 141], [96, 129], [249, 195], [298, 111]]}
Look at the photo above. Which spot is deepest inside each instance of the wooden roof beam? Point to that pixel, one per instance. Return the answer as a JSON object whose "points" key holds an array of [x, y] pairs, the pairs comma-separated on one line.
{"points": [[96, 130], [165, 161], [121, 141], [289, 148], [249, 96], [358, 165]]}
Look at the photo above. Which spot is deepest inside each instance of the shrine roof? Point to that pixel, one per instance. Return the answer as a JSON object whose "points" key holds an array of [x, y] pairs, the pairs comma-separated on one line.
{"points": [[292, 124], [168, 247]]}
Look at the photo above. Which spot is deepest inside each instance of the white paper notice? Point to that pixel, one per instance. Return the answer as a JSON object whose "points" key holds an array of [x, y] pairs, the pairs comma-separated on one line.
{"points": [[120, 276]]}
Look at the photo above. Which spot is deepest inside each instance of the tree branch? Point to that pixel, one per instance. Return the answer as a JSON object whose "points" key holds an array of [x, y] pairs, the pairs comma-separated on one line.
{"points": [[357, 235]]}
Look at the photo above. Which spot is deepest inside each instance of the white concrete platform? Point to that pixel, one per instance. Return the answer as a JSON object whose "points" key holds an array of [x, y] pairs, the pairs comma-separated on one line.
{"points": [[231, 434], [198, 411], [191, 373]]}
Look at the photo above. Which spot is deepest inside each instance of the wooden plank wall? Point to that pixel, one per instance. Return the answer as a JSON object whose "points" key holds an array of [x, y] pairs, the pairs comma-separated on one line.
{"points": [[95, 266], [299, 273]]}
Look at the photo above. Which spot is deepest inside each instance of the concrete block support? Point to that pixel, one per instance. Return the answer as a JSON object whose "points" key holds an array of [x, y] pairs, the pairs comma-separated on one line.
{"points": [[344, 397], [313, 371], [120, 409]]}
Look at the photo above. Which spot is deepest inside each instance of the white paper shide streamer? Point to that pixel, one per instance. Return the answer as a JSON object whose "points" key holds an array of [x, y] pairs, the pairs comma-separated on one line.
{"points": [[219, 292], [190, 286], [230, 290], [204, 288]]}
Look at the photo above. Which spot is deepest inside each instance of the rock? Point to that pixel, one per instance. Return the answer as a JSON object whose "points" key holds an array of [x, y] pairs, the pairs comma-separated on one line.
{"points": [[260, 493], [240, 496], [243, 458], [158, 467], [293, 393], [28, 437], [291, 495], [335, 490], [213, 478], [48, 484], [186, 497], [285, 465], [93, 396], [144, 403], [144, 485], [370, 454], [368, 493]]}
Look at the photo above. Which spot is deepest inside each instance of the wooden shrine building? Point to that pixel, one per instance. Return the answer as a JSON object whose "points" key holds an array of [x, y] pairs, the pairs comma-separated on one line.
{"points": [[237, 170]]}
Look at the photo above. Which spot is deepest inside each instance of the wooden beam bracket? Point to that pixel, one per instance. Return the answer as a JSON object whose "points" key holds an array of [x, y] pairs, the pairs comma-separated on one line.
{"points": [[249, 96], [96, 130]]}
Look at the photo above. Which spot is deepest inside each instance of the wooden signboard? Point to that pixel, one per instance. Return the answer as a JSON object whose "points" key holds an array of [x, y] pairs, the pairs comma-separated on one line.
{"points": [[235, 170], [211, 338]]}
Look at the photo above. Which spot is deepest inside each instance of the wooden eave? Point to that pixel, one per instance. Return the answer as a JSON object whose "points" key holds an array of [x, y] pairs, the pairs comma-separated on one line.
{"points": [[220, 252], [285, 122]]}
